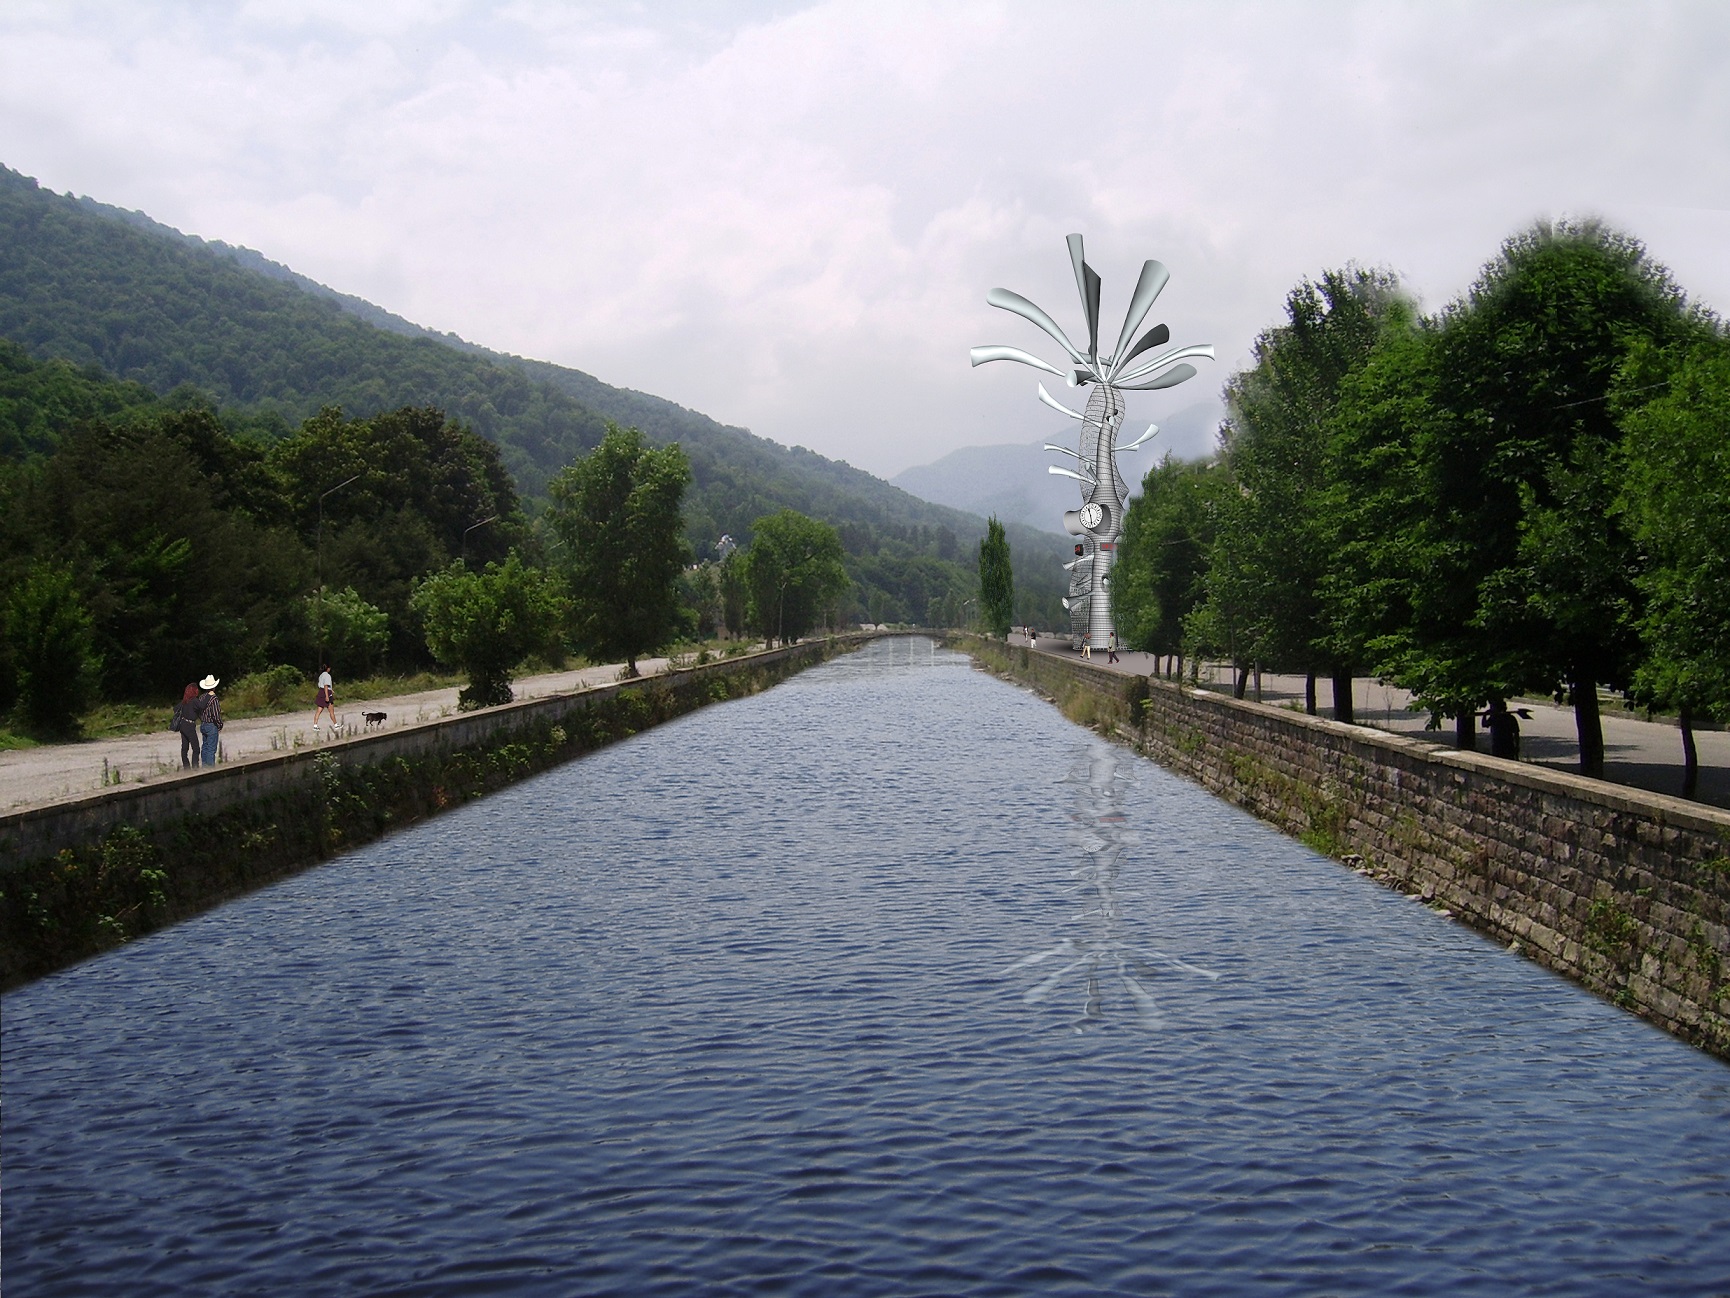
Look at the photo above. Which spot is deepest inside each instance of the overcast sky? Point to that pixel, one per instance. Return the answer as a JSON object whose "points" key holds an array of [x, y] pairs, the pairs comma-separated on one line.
{"points": [[787, 215]]}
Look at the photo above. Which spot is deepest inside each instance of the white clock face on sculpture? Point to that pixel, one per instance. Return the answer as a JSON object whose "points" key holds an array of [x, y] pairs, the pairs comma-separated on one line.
{"points": [[1092, 515]]}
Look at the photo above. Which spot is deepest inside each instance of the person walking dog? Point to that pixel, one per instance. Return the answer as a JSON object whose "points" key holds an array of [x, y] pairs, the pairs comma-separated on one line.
{"points": [[209, 717], [324, 700]]}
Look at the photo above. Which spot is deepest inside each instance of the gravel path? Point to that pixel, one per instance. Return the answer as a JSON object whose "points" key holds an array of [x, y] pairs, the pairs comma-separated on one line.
{"points": [[31, 777]]}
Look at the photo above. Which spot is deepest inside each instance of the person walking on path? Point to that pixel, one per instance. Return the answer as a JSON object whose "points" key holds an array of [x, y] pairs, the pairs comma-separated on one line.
{"points": [[1111, 647], [1504, 727], [324, 700], [209, 717], [1087, 645], [185, 724]]}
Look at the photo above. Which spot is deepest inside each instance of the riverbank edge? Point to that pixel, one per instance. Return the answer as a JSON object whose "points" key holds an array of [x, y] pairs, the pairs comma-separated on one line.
{"points": [[1623, 891], [82, 877]]}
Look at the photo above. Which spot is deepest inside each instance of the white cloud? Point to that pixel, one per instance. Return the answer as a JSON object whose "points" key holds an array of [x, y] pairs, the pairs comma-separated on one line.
{"points": [[787, 216]]}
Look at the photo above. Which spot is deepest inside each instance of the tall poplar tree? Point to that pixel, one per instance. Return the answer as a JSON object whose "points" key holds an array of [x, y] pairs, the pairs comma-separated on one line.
{"points": [[996, 579]]}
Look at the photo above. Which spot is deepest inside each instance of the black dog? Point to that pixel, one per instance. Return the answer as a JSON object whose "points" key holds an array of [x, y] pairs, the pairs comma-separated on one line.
{"points": [[373, 719]]}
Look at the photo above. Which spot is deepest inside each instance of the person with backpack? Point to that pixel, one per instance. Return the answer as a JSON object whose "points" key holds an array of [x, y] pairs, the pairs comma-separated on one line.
{"points": [[185, 724], [209, 717]]}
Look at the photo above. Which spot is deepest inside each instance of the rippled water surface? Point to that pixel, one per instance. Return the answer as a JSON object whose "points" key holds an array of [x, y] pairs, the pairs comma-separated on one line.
{"points": [[888, 981]]}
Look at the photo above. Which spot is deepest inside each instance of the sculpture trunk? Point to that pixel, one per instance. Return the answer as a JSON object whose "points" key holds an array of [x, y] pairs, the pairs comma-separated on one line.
{"points": [[1100, 423]]}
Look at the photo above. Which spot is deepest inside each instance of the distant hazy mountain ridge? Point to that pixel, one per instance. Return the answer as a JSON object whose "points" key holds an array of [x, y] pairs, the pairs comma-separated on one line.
{"points": [[1012, 483]]}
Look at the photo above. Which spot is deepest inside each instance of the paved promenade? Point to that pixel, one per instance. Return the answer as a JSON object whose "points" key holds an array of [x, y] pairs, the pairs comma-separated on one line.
{"points": [[1640, 753], [31, 777]]}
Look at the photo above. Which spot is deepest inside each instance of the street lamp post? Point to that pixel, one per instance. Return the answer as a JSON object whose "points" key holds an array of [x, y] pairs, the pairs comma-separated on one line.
{"points": [[319, 665], [471, 527]]}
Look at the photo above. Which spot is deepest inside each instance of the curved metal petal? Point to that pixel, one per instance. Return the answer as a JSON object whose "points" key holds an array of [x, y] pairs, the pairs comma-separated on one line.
{"points": [[1055, 404], [1065, 473], [1151, 430], [1147, 290], [983, 355], [1170, 379], [1012, 301], [1087, 284], [1062, 450], [1162, 360], [1157, 336], [1091, 305]]}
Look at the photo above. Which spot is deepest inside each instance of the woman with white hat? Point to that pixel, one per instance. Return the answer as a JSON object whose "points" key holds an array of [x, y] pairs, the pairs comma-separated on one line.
{"points": [[209, 717]]}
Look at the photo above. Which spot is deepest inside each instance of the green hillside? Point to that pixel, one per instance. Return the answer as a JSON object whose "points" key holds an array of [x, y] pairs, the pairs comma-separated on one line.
{"points": [[117, 292]]}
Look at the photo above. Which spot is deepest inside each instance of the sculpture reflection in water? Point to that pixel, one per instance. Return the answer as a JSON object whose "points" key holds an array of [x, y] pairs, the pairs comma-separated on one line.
{"points": [[1100, 956], [1098, 522]]}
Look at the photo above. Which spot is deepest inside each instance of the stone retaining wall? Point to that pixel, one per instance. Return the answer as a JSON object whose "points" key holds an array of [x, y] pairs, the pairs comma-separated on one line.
{"points": [[1625, 891], [84, 875], [41, 831]]}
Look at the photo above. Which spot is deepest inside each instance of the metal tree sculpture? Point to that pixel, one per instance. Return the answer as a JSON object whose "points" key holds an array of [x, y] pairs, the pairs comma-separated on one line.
{"points": [[1099, 521]]}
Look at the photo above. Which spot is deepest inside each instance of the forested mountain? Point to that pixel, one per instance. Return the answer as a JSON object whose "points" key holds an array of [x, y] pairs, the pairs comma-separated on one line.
{"points": [[100, 287]]}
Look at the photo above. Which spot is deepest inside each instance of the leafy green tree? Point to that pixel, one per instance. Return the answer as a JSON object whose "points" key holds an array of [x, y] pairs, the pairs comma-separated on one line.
{"points": [[1275, 445], [50, 644], [1521, 477], [1223, 624], [617, 510], [793, 572], [352, 633], [486, 623], [383, 501], [41, 400], [735, 594], [996, 580], [1161, 573], [701, 600], [1399, 592], [1675, 498], [178, 575]]}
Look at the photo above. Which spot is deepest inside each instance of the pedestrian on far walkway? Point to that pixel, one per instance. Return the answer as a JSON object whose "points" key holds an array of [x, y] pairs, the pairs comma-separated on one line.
{"points": [[209, 717], [1087, 645], [324, 701], [1111, 647], [1504, 727]]}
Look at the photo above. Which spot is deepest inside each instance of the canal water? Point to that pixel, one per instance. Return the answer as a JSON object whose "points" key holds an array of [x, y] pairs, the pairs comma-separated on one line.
{"points": [[888, 981]]}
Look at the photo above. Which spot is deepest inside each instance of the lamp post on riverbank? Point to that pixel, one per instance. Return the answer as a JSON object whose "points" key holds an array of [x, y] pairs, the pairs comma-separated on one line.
{"points": [[471, 527], [319, 630]]}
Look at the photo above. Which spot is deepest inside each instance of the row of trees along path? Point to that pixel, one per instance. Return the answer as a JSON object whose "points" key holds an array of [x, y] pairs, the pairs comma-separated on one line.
{"points": [[1526, 494]]}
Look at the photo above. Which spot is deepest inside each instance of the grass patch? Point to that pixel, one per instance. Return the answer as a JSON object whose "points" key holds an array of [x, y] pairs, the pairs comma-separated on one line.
{"points": [[1610, 930], [10, 740]]}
